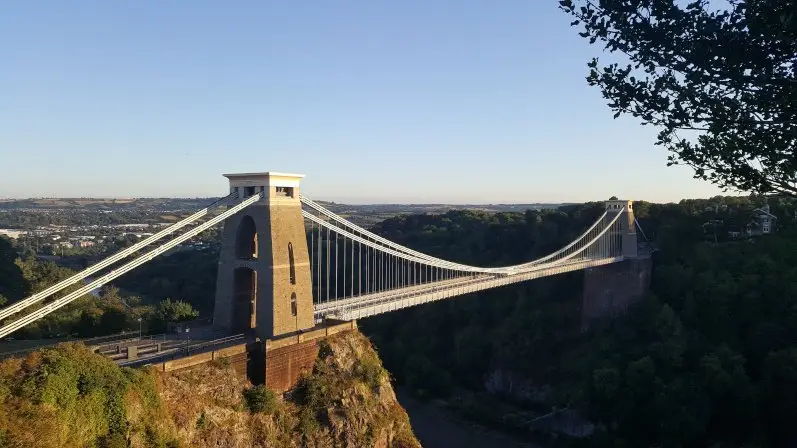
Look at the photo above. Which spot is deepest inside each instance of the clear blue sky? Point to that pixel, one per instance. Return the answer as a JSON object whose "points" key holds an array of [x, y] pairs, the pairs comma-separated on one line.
{"points": [[380, 101]]}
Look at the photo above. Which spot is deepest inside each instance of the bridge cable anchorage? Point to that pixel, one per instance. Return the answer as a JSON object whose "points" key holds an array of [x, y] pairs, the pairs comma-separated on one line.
{"points": [[58, 303], [39, 296]]}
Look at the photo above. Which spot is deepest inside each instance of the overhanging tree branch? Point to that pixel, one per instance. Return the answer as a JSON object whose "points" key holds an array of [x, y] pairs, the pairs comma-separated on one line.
{"points": [[728, 74]]}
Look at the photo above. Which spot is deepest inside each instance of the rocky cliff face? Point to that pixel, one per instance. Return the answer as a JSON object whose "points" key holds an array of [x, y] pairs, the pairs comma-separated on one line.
{"points": [[68, 397]]}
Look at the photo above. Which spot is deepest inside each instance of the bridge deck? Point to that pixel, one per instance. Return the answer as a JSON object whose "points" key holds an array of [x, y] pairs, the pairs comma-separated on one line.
{"points": [[382, 302]]}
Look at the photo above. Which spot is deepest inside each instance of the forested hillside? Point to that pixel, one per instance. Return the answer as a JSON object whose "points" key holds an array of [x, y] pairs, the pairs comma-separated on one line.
{"points": [[709, 357], [104, 312]]}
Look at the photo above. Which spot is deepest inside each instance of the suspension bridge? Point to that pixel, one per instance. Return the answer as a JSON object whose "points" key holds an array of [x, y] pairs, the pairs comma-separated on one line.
{"points": [[287, 264]]}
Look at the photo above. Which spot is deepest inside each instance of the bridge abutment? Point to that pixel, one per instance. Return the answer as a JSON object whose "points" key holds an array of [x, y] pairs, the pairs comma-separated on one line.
{"points": [[610, 289], [288, 357], [278, 363]]}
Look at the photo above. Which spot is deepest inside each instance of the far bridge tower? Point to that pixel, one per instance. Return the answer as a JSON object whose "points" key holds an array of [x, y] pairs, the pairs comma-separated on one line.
{"points": [[610, 289], [628, 236]]}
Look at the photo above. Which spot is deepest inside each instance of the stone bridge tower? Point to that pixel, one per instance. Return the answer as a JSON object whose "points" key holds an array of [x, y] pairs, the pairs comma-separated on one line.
{"points": [[264, 286], [628, 234], [610, 289]]}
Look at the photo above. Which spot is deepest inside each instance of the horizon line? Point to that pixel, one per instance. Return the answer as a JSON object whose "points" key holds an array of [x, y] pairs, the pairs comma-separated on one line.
{"points": [[355, 202]]}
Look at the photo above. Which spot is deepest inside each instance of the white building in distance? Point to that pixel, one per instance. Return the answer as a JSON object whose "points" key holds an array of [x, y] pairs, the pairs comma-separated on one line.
{"points": [[12, 233]]}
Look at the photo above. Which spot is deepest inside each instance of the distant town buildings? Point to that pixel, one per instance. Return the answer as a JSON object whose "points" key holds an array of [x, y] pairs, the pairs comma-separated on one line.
{"points": [[12, 233]]}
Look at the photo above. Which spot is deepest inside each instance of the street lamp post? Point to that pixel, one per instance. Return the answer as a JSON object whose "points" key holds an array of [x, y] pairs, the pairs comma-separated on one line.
{"points": [[139, 328]]}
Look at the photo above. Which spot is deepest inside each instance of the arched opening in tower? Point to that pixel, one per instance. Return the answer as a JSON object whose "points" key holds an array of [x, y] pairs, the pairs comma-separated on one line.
{"points": [[246, 240], [244, 300]]}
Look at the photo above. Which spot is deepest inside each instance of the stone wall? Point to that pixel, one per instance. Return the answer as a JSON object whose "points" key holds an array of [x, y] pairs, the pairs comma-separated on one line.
{"points": [[284, 365], [610, 289], [279, 367], [288, 357], [237, 356]]}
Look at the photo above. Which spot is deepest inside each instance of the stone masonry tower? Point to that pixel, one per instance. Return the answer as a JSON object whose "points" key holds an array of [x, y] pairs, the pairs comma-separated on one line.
{"points": [[627, 225], [610, 289], [264, 286]]}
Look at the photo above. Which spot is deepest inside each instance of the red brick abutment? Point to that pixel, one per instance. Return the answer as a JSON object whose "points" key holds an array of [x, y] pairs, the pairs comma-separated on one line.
{"points": [[278, 363]]}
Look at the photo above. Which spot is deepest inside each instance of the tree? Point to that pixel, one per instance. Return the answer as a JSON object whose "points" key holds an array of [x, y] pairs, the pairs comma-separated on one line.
{"points": [[720, 85], [780, 394], [110, 293], [12, 282], [175, 311], [260, 399]]}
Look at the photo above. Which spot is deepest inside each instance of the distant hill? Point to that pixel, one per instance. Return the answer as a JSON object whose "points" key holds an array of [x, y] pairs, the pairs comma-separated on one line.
{"points": [[128, 210], [107, 203]]}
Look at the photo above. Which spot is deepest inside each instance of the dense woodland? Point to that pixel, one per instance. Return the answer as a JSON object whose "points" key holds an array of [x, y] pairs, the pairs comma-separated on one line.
{"points": [[107, 311], [709, 357]]}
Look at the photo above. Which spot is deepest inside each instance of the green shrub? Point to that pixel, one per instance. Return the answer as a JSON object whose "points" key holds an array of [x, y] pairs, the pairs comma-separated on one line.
{"points": [[313, 393], [324, 349], [259, 399], [114, 440], [220, 363], [202, 422], [370, 371]]}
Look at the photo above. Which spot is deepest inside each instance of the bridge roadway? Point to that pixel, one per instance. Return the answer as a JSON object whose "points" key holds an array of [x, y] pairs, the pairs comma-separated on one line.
{"points": [[382, 302], [207, 339]]}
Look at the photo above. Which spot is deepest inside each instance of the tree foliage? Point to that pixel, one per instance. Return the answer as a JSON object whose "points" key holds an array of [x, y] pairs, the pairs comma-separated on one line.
{"points": [[719, 84], [87, 316], [190, 275], [12, 281], [175, 311], [708, 360], [70, 397], [260, 399], [172, 311]]}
